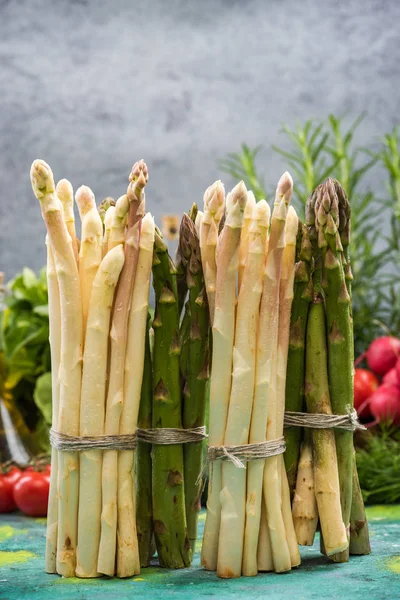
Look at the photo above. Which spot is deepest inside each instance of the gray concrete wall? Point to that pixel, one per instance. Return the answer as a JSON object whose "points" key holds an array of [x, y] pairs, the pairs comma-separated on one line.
{"points": [[92, 86]]}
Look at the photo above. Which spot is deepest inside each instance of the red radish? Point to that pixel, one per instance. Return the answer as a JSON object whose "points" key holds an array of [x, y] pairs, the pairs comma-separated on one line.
{"points": [[385, 404], [365, 383], [382, 354], [392, 377]]}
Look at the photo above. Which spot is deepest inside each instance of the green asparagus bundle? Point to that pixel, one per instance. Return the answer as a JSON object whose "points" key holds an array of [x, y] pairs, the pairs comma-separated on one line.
{"points": [[144, 511], [168, 475], [197, 326], [294, 400]]}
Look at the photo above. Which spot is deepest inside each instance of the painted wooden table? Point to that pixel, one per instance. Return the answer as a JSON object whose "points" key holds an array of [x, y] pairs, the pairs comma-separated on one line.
{"points": [[376, 576]]}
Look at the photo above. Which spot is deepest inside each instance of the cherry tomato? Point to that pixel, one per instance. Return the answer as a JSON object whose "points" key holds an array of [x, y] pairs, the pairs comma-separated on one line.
{"points": [[31, 493], [7, 481], [365, 383]]}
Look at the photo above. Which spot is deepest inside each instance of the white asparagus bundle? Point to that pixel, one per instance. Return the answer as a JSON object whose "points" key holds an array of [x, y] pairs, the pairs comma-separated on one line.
{"points": [[264, 550], [70, 373], [214, 197], [55, 349], [94, 378], [128, 562], [65, 193], [233, 493], [90, 253], [244, 237], [134, 203], [304, 509], [265, 385], [223, 337]]}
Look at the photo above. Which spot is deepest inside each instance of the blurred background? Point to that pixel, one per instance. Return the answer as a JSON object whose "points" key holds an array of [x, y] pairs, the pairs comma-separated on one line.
{"points": [[91, 87], [201, 90]]}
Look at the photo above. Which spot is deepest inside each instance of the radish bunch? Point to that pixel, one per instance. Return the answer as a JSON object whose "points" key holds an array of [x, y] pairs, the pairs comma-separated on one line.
{"points": [[379, 398]]}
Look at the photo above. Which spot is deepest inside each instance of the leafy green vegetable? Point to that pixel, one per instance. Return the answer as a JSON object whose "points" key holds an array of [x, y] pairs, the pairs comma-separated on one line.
{"points": [[378, 467], [26, 350]]}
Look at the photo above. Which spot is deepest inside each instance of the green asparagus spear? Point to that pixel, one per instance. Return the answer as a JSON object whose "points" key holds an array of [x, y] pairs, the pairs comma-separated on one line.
{"points": [[340, 336], [359, 534], [144, 512], [296, 355], [167, 481], [197, 373]]}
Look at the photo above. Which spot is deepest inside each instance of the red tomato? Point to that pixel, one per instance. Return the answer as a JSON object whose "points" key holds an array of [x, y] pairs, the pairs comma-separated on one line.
{"points": [[365, 383], [7, 480], [31, 493]]}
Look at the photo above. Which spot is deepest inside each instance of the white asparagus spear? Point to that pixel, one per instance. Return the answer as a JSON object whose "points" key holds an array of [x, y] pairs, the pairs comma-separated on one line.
{"points": [[285, 306], [118, 222], [244, 238], [119, 336], [108, 220], [223, 337], [94, 378], [70, 373], [90, 251], [233, 493], [65, 193], [128, 562], [281, 535], [55, 348], [304, 510], [264, 551], [267, 344], [214, 197]]}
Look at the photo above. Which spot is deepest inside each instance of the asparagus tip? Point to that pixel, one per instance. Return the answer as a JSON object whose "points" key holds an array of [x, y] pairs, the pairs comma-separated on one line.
{"points": [[42, 179], [285, 187], [139, 170], [64, 191], [214, 197], [85, 200], [292, 224]]}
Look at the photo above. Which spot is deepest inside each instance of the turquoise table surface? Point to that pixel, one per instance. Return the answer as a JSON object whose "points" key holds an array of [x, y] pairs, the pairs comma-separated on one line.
{"points": [[22, 545]]}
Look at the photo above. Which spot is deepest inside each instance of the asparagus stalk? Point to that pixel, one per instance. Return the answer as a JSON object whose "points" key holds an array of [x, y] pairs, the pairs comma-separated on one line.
{"points": [[198, 221], [55, 348], [181, 260], [244, 238], [119, 219], [94, 377], [128, 562], [65, 193], [214, 197], [264, 550], [296, 353], [324, 449], [144, 509], [233, 493], [340, 336], [90, 254], [133, 203], [223, 338], [275, 465], [359, 535], [305, 510], [265, 385], [167, 484], [70, 361], [194, 393]]}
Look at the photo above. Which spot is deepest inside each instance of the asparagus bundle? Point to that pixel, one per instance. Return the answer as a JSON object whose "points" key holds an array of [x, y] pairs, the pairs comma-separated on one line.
{"points": [[81, 538]]}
